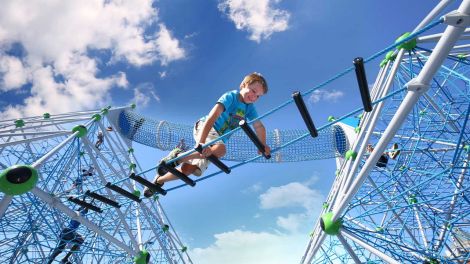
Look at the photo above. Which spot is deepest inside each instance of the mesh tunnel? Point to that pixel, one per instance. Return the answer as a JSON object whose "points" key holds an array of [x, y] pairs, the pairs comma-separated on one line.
{"points": [[330, 143]]}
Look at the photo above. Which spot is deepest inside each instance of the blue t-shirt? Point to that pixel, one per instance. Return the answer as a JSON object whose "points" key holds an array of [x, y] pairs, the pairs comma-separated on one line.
{"points": [[74, 224], [234, 111]]}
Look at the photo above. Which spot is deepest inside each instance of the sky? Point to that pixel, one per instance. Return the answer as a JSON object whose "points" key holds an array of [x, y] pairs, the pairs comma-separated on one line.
{"points": [[174, 59]]}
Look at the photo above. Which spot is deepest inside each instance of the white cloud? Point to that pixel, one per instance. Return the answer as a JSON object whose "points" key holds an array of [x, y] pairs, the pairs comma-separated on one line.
{"points": [[272, 247], [293, 194], [259, 17], [12, 73], [143, 94], [329, 96], [251, 248], [57, 37], [253, 188], [168, 47]]}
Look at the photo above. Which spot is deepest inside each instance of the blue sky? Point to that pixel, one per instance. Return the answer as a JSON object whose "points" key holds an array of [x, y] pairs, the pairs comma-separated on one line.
{"points": [[174, 59]]}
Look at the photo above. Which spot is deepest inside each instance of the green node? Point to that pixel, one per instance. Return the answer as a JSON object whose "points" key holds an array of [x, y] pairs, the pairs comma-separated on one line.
{"points": [[379, 229], [311, 234], [461, 56], [383, 63], [156, 197], [104, 111], [331, 118], [81, 129], [165, 228], [19, 123], [412, 199], [411, 44], [431, 261], [132, 166], [46, 115], [467, 148], [350, 154], [390, 56], [337, 172], [357, 129], [142, 258], [18, 179], [184, 249], [96, 117], [325, 205], [329, 226], [81, 153], [131, 150], [136, 192], [422, 112], [133, 106]]}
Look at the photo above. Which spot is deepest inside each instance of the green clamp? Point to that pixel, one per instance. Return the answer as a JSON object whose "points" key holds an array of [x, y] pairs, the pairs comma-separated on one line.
{"points": [[19, 123], [165, 228], [412, 199], [409, 45], [143, 257], [350, 154], [96, 117], [329, 226], [81, 129], [18, 179], [136, 192]]}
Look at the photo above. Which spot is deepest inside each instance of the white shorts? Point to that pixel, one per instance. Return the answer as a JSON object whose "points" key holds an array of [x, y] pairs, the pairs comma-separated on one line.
{"points": [[202, 164]]}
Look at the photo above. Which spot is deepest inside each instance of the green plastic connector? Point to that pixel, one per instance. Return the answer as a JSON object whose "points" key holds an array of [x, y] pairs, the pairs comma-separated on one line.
{"points": [[131, 150], [325, 205], [133, 106], [142, 258], [46, 115], [329, 226], [132, 166], [390, 56], [467, 148], [379, 229], [357, 129], [19, 123], [462, 56], [104, 111], [350, 154], [412, 199], [184, 249], [18, 179], [409, 45], [96, 117], [165, 228], [331, 118], [383, 63], [81, 129], [136, 192]]}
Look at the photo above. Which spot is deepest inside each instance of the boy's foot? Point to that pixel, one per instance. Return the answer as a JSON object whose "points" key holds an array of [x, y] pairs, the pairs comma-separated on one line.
{"points": [[180, 148], [148, 192], [395, 151]]}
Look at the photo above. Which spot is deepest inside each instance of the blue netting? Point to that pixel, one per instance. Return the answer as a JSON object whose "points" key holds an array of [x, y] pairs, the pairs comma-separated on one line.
{"points": [[331, 142]]}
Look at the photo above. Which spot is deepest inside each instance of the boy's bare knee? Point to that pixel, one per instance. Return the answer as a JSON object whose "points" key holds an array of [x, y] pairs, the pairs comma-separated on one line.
{"points": [[219, 150]]}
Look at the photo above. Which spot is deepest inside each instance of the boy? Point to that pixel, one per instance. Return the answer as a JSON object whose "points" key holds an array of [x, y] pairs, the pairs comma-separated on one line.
{"points": [[232, 107]]}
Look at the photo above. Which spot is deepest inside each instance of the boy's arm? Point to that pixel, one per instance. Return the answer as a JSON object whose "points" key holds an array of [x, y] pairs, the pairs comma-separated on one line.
{"points": [[208, 124], [261, 133]]}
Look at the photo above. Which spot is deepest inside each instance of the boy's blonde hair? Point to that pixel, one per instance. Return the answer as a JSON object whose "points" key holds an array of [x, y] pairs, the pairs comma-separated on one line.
{"points": [[255, 77]]}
